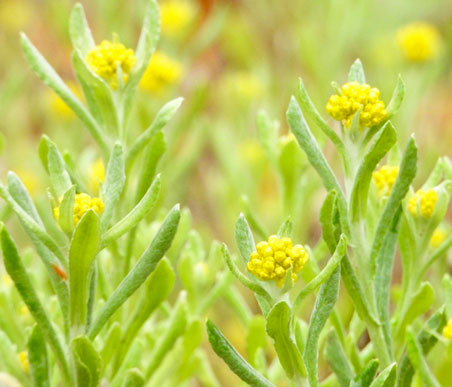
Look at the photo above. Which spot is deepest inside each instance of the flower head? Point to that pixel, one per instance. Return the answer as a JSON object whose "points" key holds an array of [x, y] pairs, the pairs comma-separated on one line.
{"points": [[423, 202], [175, 15], [355, 96], [274, 257], [106, 58], [447, 330], [161, 72], [385, 178], [438, 237], [83, 202], [23, 360], [418, 41]]}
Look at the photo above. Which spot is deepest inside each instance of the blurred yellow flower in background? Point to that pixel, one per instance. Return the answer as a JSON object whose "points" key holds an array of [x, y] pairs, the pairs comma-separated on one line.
{"points": [[162, 72], [30, 181], [106, 58], [23, 360], [438, 237], [58, 106], [243, 84], [96, 173], [419, 41], [14, 14], [175, 16]]}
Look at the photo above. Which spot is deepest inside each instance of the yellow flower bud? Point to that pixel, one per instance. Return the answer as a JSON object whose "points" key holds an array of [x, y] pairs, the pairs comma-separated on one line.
{"points": [[385, 178], [419, 42], [82, 203], [423, 202]]}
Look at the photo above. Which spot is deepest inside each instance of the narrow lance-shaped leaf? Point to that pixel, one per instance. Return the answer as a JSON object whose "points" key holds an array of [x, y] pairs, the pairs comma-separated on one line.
{"points": [[138, 213], [134, 378], [114, 183], [399, 190], [48, 75], [337, 360], [387, 377], [326, 299], [59, 177], [143, 268], [364, 379], [285, 230], [356, 73], [278, 328], [381, 145], [161, 119], [16, 270], [397, 98], [315, 156], [233, 359], [79, 31], [84, 248], [38, 359], [66, 211], [88, 363], [244, 238]]}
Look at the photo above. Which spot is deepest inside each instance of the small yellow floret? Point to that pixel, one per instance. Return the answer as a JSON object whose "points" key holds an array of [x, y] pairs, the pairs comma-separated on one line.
{"points": [[175, 15], [274, 257], [424, 201], [418, 41], [355, 96], [385, 178], [438, 237], [161, 72], [23, 360], [105, 59], [447, 330], [83, 202]]}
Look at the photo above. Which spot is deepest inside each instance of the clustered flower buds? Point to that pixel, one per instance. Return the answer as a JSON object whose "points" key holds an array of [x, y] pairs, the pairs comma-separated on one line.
{"points": [[447, 330], [105, 58], [418, 41], [161, 72], [82, 203], [274, 257], [423, 202], [384, 179], [355, 96]]}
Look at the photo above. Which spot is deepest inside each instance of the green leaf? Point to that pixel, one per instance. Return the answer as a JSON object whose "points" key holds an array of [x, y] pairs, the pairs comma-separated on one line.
{"points": [[324, 304], [364, 379], [79, 31], [48, 75], [114, 183], [308, 106], [174, 328], [140, 272], [66, 211], [356, 73], [146, 45], [427, 339], [399, 190], [111, 343], [82, 252], [137, 214], [59, 177], [163, 116], [134, 378], [37, 356], [98, 95], [397, 98], [285, 230], [244, 238], [325, 274], [337, 360], [9, 360], [268, 135], [88, 363], [256, 339], [327, 214], [158, 287], [16, 270], [447, 290], [315, 156], [381, 145], [387, 377], [383, 278], [416, 356], [233, 359], [278, 328], [419, 303]]}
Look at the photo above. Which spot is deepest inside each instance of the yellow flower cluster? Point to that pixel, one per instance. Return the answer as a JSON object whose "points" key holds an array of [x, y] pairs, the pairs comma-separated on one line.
{"points": [[23, 360], [161, 72], [105, 58], [175, 15], [418, 41], [385, 178], [447, 330], [274, 257], [423, 202], [355, 96], [83, 202], [438, 237]]}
